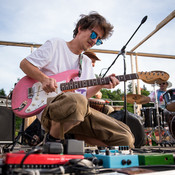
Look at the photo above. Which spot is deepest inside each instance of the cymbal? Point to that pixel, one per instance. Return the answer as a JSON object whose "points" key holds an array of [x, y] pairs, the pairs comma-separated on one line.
{"points": [[139, 99]]}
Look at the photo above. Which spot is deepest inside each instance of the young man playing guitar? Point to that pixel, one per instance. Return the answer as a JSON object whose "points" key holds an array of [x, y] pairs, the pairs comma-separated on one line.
{"points": [[69, 112]]}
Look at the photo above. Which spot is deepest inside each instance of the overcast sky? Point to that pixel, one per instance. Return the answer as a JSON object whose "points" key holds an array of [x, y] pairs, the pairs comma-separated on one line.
{"points": [[35, 21]]}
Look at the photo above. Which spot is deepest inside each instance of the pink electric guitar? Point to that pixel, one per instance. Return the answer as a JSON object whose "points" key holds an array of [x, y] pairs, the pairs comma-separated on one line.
{"points": [[29, 99]]}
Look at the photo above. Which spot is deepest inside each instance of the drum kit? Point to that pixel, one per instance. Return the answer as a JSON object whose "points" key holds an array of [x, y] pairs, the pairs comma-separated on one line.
{"points": [[155, 119]]}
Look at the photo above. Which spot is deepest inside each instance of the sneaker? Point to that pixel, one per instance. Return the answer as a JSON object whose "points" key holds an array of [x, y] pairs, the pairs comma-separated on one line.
{"points": [[50, 138]]}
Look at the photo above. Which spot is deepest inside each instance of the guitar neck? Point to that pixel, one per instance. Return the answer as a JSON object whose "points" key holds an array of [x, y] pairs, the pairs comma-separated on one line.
{"points": [[94, 82]]}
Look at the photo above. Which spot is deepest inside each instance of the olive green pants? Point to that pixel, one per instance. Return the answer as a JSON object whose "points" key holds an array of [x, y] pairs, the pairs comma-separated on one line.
{"points": [[93, 124]]}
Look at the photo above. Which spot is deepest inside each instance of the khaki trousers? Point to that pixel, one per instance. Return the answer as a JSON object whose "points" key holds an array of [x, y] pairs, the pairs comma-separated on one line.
{"points": [[94, 124]]}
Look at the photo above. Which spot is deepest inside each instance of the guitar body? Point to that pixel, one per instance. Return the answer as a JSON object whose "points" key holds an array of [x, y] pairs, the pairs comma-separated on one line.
{"points": [[21, 101]]}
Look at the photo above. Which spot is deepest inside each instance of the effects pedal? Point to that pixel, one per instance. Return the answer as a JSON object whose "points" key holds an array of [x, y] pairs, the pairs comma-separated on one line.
{"points": [[115, 158], [13, 160], [156, 159]]}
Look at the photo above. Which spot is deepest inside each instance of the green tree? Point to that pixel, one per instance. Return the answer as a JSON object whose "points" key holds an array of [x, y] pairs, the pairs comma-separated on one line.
{"points": [[2, 92], [118, 95]]}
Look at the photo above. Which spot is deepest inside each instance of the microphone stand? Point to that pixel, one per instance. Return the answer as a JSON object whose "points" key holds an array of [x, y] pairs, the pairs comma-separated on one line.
{"points": [[123, 53]]}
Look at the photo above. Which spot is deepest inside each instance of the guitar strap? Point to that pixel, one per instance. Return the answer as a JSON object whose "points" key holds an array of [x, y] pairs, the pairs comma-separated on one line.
{"points": [[80, 64]]}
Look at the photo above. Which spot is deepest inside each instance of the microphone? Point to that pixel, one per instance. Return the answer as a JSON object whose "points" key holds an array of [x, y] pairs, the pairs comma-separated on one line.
{"points": [[144, 19], [122, 52], [124, 47]]}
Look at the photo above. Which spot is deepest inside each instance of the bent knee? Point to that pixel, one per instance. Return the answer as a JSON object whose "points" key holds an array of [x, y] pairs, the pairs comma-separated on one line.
{"points": [[129, 140]]}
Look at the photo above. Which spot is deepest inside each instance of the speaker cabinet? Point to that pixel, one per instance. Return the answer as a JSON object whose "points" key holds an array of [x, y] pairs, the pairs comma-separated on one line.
{"points": [[7, 125]]}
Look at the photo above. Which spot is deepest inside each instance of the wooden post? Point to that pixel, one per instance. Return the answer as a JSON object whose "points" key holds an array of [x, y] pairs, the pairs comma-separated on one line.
{"points": [[139, 106], [28, 121], [132, 71]]}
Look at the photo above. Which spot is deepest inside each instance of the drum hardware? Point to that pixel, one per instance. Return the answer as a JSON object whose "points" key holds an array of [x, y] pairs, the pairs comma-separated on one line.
{"points": [[153, 133], [135, 108], [160, 129]]}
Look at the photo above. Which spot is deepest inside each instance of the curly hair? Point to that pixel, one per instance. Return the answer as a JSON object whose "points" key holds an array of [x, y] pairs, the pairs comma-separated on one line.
{"points": [[92, 20]]}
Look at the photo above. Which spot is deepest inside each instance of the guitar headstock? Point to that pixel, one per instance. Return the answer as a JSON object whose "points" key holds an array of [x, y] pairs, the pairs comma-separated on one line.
{"points": [[153, 76]]}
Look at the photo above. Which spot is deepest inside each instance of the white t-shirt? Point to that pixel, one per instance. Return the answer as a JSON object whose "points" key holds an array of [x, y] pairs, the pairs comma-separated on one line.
{"points": [[54, 57]]}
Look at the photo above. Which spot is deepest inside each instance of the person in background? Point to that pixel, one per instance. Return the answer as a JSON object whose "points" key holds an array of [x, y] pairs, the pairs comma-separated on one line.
{"points": [[68, 114], [162, 89], [107, 109], [92, 56]]}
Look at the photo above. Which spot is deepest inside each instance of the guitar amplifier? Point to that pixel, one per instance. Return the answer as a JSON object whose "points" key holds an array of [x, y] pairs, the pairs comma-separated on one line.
{"points": [[7, 124]]}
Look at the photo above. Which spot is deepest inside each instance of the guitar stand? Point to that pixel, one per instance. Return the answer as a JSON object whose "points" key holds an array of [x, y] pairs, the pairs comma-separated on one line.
{"points": [[21, 134]]}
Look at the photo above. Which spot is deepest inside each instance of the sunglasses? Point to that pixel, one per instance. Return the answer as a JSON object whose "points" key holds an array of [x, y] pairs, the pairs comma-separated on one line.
{"points": [[162, 83], [94, 36]]}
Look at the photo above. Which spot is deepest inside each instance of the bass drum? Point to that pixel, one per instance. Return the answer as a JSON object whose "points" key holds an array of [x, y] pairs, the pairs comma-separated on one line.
{"points": [[170, 119], [172, 127], [134, 124]]}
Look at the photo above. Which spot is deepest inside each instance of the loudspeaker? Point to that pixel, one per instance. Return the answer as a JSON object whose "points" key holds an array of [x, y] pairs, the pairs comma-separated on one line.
{"points": [[134, 124], [7, 125]]}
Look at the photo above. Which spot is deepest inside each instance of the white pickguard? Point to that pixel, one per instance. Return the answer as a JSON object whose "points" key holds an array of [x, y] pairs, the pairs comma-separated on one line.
{"points": [[39, 98]]}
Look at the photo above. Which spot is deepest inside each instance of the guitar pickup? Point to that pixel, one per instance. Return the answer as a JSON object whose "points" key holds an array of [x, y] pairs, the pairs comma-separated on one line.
{"points": [[30, 92]]}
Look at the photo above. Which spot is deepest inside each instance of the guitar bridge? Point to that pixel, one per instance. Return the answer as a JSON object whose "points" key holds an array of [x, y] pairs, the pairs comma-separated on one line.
{"points": [[30, 92], [21, 106]]}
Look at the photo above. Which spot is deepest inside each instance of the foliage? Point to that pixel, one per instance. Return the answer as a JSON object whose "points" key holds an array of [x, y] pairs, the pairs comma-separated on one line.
{"points": [[118, 95], [2, 92]]}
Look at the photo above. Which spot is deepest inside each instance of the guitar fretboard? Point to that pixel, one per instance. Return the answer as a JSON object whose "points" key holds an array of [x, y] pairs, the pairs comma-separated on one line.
{"points": [[94, 82]]}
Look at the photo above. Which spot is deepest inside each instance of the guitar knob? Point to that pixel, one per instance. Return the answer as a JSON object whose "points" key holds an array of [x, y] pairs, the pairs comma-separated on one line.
{"points": [[28, 109], [128, 162], [36, 98], [33, 104], [123, 162]]}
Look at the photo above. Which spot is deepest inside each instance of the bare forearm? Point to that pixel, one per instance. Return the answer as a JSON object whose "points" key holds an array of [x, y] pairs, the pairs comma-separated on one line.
{"points": [[92, 91], [48, 84], [32, 71]]}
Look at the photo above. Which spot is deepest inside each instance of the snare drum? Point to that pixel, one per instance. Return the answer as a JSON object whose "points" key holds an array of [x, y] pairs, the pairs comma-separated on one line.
{"points": [[169, 97], [97, 104]]}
